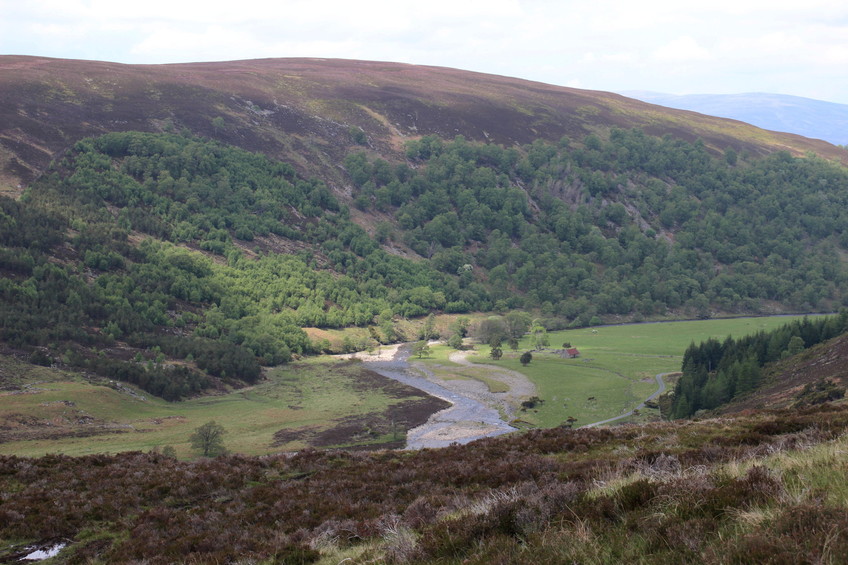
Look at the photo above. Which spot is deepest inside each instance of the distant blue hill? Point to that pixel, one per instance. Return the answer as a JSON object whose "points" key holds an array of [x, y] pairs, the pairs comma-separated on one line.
{"points": [[778, 112]]}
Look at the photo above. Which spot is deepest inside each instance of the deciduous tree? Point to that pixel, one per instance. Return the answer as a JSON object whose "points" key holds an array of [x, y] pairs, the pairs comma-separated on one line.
{"points": [[208, 439], [421, 349]]}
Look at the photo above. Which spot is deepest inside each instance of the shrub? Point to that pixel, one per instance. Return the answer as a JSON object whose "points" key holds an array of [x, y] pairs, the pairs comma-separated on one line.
{"points": [[635, 495]]}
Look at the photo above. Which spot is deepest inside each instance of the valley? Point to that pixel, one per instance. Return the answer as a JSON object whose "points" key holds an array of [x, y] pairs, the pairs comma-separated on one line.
{"points": [[328, 402], [241, 248]]}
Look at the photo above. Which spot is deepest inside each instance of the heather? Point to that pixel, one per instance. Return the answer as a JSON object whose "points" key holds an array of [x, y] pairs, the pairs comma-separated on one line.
{"points": [[760, 486]]}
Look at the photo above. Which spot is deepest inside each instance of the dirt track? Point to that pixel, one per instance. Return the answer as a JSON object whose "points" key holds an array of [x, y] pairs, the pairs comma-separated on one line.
{"points": [[660, 378]]}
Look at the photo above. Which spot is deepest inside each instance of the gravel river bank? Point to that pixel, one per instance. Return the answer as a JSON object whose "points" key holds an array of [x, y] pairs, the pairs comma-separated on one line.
{"points": [[466, 420]]}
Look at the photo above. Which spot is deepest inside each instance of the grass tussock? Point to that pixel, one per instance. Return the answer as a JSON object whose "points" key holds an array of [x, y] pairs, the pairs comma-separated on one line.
{"points": [[768, 488]]}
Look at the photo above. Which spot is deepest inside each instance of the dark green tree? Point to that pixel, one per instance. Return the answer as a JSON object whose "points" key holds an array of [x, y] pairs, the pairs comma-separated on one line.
{"points": [[421, 349], [517, 324], [208, 439], [496, 353]]}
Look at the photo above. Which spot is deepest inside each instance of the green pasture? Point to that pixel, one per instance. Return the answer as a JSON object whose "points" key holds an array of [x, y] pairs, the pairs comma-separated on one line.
{"points": [[616, 367], [313, 394], [438, 362]]}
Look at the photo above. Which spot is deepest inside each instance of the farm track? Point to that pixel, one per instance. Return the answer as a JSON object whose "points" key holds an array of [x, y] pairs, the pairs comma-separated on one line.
{"points": [[660, 389]]}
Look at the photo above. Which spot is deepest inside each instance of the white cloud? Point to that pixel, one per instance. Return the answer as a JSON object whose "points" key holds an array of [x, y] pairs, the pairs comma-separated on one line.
{"points": [[682, 49], [834, 55]]}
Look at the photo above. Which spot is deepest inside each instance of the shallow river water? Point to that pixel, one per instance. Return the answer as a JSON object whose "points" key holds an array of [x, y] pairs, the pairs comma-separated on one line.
{"points": [[464, 421]]}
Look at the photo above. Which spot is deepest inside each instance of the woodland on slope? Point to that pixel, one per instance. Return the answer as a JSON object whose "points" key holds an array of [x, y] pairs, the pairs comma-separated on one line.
{"points": [[379, 192], [177, 262], [188, 248]]}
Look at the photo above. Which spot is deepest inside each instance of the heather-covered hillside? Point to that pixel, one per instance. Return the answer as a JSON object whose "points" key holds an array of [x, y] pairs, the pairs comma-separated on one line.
{"points": [[310, 112], [761, 488], [191, 230]]}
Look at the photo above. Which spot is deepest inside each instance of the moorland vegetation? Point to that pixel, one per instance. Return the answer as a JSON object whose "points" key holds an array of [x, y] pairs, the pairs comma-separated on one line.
{"points": [[768, 487], [185, 265]]}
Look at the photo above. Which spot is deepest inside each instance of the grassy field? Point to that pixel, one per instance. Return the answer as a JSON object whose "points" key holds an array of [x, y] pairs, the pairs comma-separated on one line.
{"points": [[616, 367], [59, 412], [327, 403]]}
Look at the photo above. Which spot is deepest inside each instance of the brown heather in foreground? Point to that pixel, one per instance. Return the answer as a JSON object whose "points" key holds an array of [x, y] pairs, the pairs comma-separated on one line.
{"points": [[760, 488]]}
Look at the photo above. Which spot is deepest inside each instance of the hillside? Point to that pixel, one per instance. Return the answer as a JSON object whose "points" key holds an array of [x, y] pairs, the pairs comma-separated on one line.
{"points": [[785, 384], [201, 233], [763, 488], [308, 111], [179, 248], [811, 118], [375, 193]]}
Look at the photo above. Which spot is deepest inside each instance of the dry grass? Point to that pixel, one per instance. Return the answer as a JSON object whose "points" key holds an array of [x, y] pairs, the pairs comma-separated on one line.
{"points": [[539, 497]]}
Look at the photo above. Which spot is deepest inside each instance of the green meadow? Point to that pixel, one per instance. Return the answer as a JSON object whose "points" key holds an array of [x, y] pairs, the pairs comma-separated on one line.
{"points": [[616, 368], [313, 395]]}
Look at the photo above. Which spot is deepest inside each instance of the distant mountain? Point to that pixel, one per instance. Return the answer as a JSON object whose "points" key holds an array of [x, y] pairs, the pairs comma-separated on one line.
{"points": [[815, 119]]}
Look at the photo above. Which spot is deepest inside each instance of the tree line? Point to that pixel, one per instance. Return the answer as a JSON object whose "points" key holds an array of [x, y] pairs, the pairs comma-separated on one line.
{"points": [[715, 372], [135, 236]]}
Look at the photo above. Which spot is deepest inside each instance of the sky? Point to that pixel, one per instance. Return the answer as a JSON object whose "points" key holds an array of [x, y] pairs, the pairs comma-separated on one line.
{"points": [[679, 47]]}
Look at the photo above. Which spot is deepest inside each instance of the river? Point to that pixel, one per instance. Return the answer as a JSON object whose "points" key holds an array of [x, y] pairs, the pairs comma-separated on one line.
{"points": [[468, 418], [464, 421]]}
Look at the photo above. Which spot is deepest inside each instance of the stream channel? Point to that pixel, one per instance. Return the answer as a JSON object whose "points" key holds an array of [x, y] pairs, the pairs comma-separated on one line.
{"points": [[464, 421]]}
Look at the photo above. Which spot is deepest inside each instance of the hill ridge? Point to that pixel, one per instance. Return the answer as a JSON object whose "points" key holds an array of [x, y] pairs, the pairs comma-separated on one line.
{"points": [[300, 109]]}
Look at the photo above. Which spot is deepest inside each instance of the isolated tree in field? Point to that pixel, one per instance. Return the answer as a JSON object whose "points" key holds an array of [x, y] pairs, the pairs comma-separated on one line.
{"points": [[421, 349], [458, 329], [209, 439], [525, 358], [496, 353], [539, 336], [492, 328], [455, 341], [516, 325]]}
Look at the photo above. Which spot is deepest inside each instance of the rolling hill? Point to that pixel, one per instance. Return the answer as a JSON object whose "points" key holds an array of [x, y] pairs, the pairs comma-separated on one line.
{"points": [[208, 213], [185, 227], [302, 110]]}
